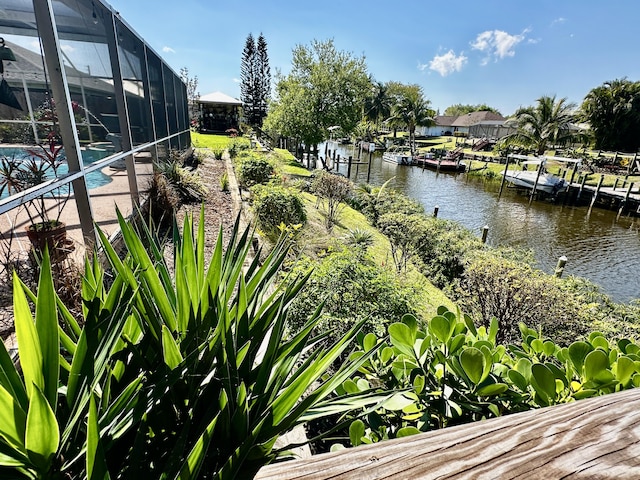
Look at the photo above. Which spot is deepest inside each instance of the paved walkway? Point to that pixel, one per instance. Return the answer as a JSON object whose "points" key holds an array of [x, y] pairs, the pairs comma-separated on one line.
{"points": [[104, 200]]}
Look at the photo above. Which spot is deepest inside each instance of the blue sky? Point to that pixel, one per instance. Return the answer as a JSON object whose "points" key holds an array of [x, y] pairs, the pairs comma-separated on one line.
{"points": [[505, 53]]}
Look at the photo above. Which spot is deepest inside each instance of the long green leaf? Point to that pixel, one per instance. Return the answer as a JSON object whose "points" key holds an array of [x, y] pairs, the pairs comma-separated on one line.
{"points": [[10, 379], [196, 456], [96, 462], [28, 343], [13, 420], [170, 349], [47, 328], [42, 433]]}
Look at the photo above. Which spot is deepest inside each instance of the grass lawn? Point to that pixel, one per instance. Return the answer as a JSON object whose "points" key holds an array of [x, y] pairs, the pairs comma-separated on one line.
{"points": [[203, 140]]}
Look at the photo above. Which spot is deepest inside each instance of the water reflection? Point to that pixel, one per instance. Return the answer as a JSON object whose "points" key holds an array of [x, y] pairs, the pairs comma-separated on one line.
{"points": [[597, 246]]}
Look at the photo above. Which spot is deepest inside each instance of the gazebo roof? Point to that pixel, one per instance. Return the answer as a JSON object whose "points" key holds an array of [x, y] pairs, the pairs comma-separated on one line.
{"points": [[219, 97]]}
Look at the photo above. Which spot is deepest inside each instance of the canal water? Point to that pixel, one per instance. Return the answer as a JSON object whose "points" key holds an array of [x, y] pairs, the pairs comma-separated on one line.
{"points": [[598, 246]]}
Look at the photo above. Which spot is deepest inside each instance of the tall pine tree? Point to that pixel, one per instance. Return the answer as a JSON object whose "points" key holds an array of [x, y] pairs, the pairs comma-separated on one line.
{"points": [[247, 77], [263, 80], [255, 80]]}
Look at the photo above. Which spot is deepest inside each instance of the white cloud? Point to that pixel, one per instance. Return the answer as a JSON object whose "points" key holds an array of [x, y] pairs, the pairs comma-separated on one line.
{"points": [[446, 64], [558, 21], [236, 80], [168, 50], [497, 44]]}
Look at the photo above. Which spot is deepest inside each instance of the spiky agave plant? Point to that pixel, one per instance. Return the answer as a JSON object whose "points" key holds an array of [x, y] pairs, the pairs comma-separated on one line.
{"points": [[184, 377]]}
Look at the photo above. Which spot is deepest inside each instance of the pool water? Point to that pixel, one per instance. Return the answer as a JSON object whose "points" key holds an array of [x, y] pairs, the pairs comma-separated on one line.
{"points": [[89, 155]]}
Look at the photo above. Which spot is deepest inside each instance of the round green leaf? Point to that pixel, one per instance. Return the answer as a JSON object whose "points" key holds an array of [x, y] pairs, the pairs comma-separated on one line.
{"points": [[440, 327], [356, 432], [369, 341], [595, 364], [407, 431], [548, 348], [401, 336], [473, 363], [543, 381], [578, 351], [600, 342], [493, 389], [518, 380], [625, 368]]}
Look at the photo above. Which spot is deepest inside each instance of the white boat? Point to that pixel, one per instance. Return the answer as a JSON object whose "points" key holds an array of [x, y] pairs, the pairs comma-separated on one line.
{"points": [[542, 181], [545, 182], [399, 157]]}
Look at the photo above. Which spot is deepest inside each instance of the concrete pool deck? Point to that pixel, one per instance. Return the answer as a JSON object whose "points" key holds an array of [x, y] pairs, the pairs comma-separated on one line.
{"points": [[104, 200]]}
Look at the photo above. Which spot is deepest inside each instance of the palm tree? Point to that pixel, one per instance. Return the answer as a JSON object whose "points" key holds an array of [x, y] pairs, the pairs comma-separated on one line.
{"points": [[378, 106], [413, 111], [544, 125], [613, 113]]}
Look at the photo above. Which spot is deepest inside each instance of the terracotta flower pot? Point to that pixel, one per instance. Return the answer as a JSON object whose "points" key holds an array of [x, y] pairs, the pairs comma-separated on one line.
{"points": [[51, 234]]}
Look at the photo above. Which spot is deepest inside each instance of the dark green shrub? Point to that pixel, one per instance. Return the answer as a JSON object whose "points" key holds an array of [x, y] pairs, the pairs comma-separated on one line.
{"points": [[442, 248], [513, 292], [253, 169], [275, 205], [374, 202], [353, 287]]}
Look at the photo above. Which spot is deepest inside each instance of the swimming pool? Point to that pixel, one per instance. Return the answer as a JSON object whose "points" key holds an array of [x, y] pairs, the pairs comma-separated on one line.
{"points": [[89, 155]]}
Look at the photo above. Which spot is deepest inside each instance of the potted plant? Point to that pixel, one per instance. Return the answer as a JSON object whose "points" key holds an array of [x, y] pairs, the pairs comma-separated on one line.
{"points": [[18, 175]]}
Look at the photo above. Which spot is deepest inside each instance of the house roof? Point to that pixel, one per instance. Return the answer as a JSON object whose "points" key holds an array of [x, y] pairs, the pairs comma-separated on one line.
{"points": [[219, 97], [445, 120], [474, 118]]}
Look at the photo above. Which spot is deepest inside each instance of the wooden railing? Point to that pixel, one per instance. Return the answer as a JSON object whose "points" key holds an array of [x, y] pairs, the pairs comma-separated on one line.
{"points": [[594, 438]]}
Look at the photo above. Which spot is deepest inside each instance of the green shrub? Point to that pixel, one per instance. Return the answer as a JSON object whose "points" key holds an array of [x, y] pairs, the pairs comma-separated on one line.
{"points": [[513, 292], [332, 191], [274, 206], [253, 169], [352, 287], [238, 145]]}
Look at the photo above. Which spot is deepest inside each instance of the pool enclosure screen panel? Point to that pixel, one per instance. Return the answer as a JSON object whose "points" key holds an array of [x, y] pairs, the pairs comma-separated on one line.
{"points": [[113, 80]]}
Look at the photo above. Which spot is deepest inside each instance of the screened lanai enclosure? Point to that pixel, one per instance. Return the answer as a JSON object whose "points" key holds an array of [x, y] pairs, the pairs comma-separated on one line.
{"points": [[85, 107]]}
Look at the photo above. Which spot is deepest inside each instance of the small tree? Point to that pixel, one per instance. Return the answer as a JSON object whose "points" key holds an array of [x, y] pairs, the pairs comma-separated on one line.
{"points": [[192, 93], [332, 190]]}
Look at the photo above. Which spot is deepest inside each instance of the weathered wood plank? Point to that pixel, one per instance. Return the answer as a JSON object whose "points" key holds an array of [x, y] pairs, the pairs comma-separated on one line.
{"points": [[590, 439]]}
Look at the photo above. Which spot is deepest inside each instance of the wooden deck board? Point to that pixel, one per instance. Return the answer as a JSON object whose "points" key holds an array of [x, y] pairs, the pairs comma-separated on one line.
{"points": [[590, 439]]}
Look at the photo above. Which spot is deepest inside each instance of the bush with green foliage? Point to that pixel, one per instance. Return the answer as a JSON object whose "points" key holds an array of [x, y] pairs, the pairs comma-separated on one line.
{"points": [[253, 169], [163, 377], [513, 292], [443, 248], [238, 145], [274, 206], [352, 288], [186, 183], [452, 372], [375, 202], [332, 191]]}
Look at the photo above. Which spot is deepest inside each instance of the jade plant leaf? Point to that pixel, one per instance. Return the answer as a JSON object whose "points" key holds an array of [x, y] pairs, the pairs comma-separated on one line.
{"points": [[473, 362], [544, 382], [441, 328], [578, 352]]}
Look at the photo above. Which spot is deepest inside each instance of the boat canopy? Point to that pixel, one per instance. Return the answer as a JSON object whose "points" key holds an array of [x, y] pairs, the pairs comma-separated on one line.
{"points": [[530, 160]]}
